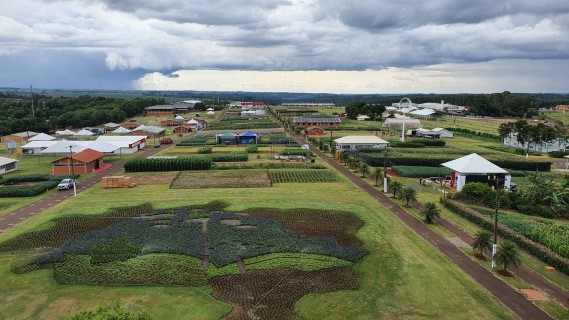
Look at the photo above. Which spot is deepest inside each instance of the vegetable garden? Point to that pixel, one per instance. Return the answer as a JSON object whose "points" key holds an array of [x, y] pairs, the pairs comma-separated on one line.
{"points": [[302, 176], [223, 179]]}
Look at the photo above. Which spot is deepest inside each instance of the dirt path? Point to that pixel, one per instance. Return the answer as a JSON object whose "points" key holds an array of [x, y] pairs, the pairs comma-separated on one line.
{"points": [[205, 244], [514, 300], [13, 218], [241, 265]]}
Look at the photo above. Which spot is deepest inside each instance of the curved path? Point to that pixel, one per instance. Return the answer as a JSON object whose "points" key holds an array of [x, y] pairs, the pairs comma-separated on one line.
{"points": [[514, 300], [13, 218]]}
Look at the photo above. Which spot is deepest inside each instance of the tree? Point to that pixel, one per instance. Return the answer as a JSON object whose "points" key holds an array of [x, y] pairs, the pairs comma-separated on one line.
{"points": [[395, 186], [522, 130], [377, 175], [507, 255], [431, 211], [408, 194], [505, 129], [482, 242], [364, 169]]}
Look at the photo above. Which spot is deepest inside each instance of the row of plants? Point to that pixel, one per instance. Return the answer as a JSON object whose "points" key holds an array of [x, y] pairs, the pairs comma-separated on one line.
{"points": [[421, 172], [518, 151], [45, 182], [223, 179], [540, 251], [295, 152], [302, 176], [252, 149], [266, 165], [417, 143], [475, 134], [402, 157], [169, 164], [552, 235], [204, 150], [197, 141], [234, 156]]}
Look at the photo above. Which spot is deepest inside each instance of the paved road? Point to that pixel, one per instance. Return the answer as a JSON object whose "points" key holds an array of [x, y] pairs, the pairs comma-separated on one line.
{"points": [[13, 218], [514, 300]]}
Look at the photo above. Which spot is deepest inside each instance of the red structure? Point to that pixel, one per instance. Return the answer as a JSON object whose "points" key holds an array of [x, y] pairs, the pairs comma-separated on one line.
{"points": [[185, 128], [86, 161], [315, 131]]}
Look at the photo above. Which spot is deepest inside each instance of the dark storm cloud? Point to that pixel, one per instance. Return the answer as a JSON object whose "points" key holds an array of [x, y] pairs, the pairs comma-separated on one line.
{"points": [[408, 14], [207, 12]]}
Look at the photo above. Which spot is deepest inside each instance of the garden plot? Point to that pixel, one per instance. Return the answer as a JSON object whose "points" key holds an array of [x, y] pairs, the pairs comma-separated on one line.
{"points": [[221, 179], [302, 176], [142, 178]]}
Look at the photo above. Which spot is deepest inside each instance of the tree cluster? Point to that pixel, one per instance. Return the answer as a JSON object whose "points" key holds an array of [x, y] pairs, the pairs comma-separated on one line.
{"points": [[536, 134], [51, 113], [356, 108], [505, 104]]}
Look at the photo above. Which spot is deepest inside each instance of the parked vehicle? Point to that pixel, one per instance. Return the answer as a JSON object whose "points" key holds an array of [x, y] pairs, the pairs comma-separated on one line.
{"points": [[65, 184]]}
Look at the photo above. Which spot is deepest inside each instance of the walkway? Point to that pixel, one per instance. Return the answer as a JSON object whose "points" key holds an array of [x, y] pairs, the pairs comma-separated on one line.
{"points": [[13, 218]]}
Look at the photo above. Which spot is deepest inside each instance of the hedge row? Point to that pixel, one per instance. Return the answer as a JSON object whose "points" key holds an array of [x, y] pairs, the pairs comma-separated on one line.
{"points": [[558, 154], [296, 152], [407, 144], [476, 133], [168, 164], [27, 191], [232, 157], [539, 251], [204, 150], [252, 149], [418, 172]]}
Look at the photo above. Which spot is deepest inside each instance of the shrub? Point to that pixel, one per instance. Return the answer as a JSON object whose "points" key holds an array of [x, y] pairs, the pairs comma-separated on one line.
{"points": [[407, 145], [252, 149], [476, 190], [27, 191], [430, 142], [204, 150], [235, 156], [558, 154], [296, 152]]}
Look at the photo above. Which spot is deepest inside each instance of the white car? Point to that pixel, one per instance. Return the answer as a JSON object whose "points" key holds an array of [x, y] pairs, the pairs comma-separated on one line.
{"points": [[65, 184]]}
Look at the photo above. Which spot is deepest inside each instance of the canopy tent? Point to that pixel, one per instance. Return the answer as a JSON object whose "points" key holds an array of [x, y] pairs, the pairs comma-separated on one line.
{"points": [[210, 109], [103, 146], [178, 117], [474, 168], [65, 132], [85, 133], [63, 147], [210, 113], [42, 137], [121, 130], [248, 137], [193, 121]]}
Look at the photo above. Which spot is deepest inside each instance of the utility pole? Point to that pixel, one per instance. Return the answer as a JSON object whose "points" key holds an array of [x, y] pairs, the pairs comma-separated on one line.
{"points": [[72, 172], [385, 170], [495, 244]]}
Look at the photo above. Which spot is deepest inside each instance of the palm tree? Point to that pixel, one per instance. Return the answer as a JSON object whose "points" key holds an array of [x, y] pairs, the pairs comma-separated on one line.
{"points": [[409, 194], [482, 242], [507, 255], [431, 211], [395, 186], [364, 169], [377, 175]]}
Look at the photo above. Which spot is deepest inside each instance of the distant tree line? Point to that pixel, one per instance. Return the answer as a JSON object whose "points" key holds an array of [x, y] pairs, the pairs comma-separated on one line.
{"points": [[356, 108], [60, 112]]}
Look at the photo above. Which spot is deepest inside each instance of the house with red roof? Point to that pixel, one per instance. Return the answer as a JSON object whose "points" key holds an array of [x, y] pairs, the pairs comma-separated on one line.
{"points": [[86, 161]]}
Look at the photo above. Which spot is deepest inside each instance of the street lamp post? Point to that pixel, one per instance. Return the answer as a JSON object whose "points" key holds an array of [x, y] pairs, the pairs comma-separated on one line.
{"points": [[496, 179], [72, 172], [403, 127], [385, 171]]}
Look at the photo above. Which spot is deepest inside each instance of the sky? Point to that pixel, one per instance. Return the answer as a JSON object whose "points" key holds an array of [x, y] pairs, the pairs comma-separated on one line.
{"points": [[320, 46]]}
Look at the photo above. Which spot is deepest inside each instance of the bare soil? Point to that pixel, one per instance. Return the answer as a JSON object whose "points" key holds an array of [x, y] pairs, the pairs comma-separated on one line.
{"points": [[141, 178]]}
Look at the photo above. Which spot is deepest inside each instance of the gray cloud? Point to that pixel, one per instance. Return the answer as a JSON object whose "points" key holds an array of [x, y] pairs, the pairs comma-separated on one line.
{"points": [[286, 34]]}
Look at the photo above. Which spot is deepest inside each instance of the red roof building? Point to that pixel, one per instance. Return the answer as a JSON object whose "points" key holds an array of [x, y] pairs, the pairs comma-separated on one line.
{"points": [[86, 161], [315, 131]]}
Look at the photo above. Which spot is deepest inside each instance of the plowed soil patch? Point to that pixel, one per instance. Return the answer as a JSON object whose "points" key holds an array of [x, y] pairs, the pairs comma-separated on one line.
{"points": [[272, 294], [153, 178]]}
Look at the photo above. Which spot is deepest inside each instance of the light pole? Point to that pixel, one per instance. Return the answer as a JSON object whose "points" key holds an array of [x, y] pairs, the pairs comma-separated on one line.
{"points": [[385, 171], [403, 127], [72, 172], [496, 179]]}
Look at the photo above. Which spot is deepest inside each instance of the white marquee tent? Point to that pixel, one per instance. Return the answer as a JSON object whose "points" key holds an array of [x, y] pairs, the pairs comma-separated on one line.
{"points": [[474, 168]]}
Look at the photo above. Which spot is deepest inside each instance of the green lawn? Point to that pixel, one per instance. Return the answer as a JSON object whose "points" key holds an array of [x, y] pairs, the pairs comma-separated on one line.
{"points": [[398, 278]]}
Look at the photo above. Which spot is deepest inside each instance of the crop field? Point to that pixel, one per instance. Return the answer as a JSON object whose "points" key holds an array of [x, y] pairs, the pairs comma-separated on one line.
{"points": [[302, 176], [221, 179], [142, 178], [334, 248]]}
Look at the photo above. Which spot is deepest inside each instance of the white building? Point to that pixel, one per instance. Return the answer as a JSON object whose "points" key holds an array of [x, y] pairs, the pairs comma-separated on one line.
{"points": [[8, 165], [474, 168], [555, 145], [362, 117], [127, 144], [436, 133], [357, 142], [397, 123]]}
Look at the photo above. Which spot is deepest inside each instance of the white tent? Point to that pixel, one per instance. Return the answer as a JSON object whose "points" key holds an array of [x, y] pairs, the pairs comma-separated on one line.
{"points": [[84, 132], [121, 130], [474, 168], [65, 132], [42, 137], [63, 147], [140, 127], [193, 121], [210, 113], [210, 109], [178, 117], [423, 112], [103, 146]]}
